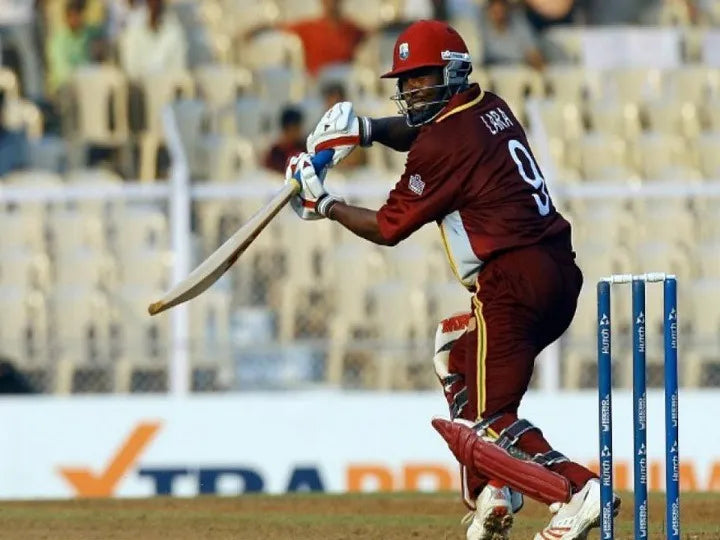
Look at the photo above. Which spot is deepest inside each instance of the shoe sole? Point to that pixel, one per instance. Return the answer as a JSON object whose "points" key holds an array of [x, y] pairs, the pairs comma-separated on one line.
{"points": [[498, 524]]}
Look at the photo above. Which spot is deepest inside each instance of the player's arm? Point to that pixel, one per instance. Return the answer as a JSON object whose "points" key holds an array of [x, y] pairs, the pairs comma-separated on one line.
{"points": [[392, 132], [360, 221], [342, 130]]}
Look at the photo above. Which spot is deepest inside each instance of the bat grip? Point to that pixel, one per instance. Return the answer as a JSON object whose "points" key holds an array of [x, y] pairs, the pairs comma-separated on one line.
{"points": [[322, 159]]}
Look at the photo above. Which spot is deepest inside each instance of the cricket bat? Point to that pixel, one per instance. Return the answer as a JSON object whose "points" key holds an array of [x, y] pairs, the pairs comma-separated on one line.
{"points": [[225, 256]]}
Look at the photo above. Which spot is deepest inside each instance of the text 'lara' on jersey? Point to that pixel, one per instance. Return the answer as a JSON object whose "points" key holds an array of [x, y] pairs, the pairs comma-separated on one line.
{"points": [[472, 171]]}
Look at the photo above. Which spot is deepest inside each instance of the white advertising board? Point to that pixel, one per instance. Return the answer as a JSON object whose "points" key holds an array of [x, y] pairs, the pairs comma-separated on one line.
{"points": [[53, 447]]}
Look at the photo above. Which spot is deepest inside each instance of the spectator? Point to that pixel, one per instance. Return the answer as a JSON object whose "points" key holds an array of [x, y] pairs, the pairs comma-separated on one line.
{"points": [[507, 36], [600, 12], [544, 13], [71, 46], [333, 92], [329, 39], [13, 144], [153, 41], [290, 142], [17, 31]]}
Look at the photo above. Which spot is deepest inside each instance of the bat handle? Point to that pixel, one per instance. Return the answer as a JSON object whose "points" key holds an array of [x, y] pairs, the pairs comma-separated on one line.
{"points": [[322, 159]]}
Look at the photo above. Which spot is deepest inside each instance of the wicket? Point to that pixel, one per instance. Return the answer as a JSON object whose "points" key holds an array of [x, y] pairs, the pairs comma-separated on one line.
{"points": [[672, 461]]}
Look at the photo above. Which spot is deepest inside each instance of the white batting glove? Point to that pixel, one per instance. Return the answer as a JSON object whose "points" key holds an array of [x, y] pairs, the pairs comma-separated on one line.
{"points": [[340, 130], [313, 201]]}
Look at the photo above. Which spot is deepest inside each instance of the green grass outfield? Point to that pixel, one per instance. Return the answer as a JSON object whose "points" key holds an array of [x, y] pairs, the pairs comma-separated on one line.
{"points": [[315, 517]]}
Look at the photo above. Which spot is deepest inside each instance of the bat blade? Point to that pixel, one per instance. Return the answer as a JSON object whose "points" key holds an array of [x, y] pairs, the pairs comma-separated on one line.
{"points": [[212, 268], [225, 256]]}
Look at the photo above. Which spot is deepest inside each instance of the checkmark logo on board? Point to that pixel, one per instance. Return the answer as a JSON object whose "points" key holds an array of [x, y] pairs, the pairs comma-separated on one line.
{"points": [[90, 484]]}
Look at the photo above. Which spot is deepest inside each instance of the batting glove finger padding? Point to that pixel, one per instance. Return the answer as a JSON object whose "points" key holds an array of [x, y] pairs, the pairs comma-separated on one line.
{"points": [[339, 129]]}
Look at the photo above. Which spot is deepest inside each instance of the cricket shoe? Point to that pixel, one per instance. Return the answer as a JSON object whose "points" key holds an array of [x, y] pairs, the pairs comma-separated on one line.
{"points": [[493, 515], [574, 519]]}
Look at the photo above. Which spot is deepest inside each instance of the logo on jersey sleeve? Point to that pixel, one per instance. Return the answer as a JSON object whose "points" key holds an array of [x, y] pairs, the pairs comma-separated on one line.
{"points": [[416, 184]]}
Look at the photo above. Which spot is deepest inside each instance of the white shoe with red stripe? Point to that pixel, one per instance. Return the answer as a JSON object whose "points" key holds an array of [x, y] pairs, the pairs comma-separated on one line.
{"points": [[493, 516], [573, 520]]}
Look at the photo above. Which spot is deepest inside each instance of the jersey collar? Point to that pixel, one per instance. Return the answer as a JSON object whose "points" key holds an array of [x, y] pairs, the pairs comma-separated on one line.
{"points": [[463, 100]]}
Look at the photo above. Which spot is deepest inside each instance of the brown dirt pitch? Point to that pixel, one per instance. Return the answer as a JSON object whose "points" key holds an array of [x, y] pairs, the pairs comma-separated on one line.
{"points": [[314, 517]]}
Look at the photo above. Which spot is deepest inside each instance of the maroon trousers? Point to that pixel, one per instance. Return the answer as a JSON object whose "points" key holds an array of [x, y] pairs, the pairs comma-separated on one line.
{"points": [[525, 299]]}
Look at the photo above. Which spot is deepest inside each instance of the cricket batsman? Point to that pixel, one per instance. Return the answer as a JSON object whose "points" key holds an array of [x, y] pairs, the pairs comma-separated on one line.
{"points": [[470, 169]]}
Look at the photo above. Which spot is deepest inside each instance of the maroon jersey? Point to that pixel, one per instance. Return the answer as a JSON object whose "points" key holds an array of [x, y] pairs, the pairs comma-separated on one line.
{"points": [[472, 172]]}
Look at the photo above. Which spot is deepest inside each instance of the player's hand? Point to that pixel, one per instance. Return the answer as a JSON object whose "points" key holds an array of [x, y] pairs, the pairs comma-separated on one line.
{"points": [[312, 189], [339, 129]]}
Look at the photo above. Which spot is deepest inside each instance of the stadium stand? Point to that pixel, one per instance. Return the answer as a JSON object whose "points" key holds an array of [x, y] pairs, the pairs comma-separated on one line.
{"points": [[77, 270]]}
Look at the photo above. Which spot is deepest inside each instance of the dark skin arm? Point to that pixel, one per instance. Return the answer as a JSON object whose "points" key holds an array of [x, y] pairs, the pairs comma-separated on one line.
{"points": [[393, 132], [360, 221]]}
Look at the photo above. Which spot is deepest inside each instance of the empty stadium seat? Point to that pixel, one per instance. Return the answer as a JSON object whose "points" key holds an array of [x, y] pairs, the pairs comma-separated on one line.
{"points": [[25, 269], [569, 83], [223, 158], [655, 152], [80, 319], [708, 148], [597, 153], [561, 119], [359, 82], [161, 89], [693, 84], [445, 299], [145, 268], [24, 115], [613, 118], [274, 49], [72, 231], [220, 84], [22, 230], [634, 85], [515, 84], [281, 85], [398, 315], [673, 117], [706, 257], [9, 83], [139, 229], [23, 326], [101, 95]]}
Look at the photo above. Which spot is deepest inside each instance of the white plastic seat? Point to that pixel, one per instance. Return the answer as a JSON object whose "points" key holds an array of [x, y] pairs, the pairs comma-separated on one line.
{"points": [[253, 119], [145, 268], [359, 82], [80, 321], [9, 83], [293, 10], [161, 89], [23, 325], [569, 83], [693, 83], [673, 117], [221, 84], [210, 330], [598, 152], [561, 119], [140, 229], [706, 256], [613, 118], [141, 338], [274, 49], [654, 152], [24, 269], [72, 231], [398, 316], [223, 158], [708, 148], [100, 89], [22, 230], [666, 220], [514, 84], [24, 115], [281, 85], [634, 85], [713, 114], [85, 268]]}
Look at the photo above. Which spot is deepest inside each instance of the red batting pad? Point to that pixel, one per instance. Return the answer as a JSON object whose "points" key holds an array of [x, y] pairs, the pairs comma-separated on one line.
{"points": [[491, 461]]}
